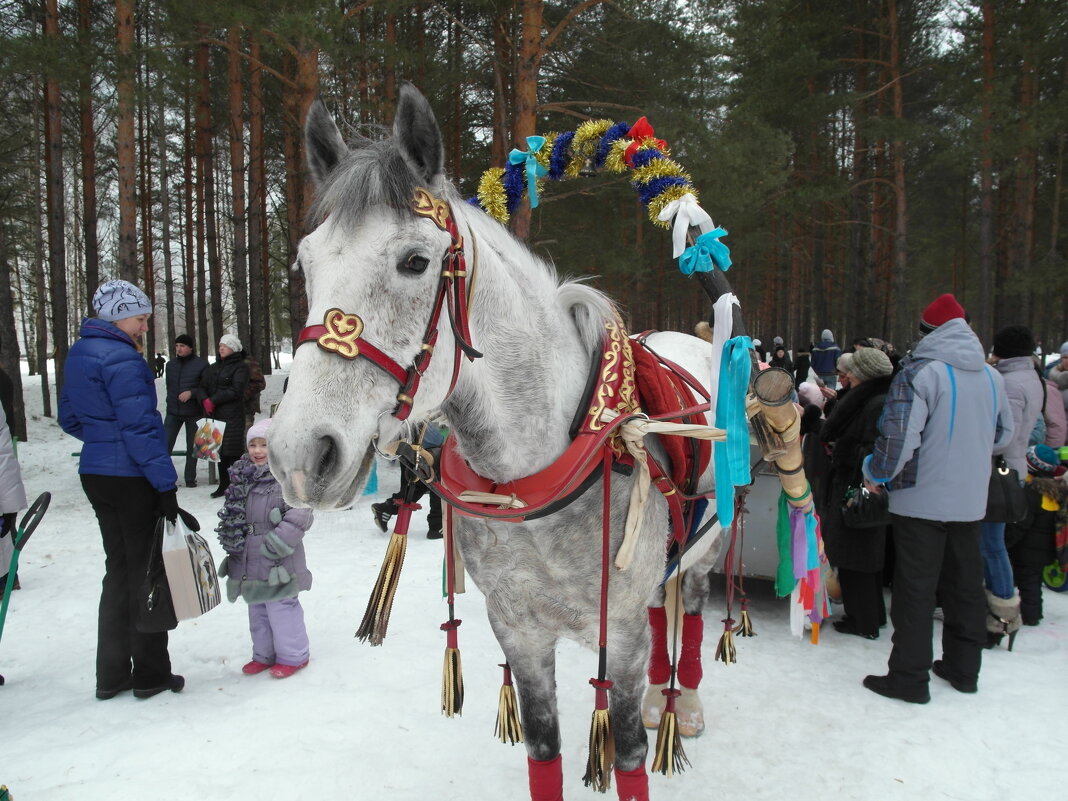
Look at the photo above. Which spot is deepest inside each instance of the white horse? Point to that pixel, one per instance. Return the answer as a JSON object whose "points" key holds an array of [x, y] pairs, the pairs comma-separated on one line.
{"points": [[510, 413]]}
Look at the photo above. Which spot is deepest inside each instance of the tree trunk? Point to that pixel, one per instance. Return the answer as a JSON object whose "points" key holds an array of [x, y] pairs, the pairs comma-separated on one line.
{"points": [[9, 341], [258, 264], [57, 255], [237, 189], [88, 154], [983, 321], [40, 288], [124, 141], [144, 141], [205, 160], [901, 294], [165, 226], [528, 65]]}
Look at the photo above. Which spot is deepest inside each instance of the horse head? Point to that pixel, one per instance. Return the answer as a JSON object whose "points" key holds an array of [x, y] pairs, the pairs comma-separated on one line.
{"points": [[372, 269]]}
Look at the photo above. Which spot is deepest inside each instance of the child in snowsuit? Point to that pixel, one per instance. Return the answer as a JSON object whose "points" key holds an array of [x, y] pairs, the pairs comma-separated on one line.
{"points": [[1030, 542], [263, 538]]}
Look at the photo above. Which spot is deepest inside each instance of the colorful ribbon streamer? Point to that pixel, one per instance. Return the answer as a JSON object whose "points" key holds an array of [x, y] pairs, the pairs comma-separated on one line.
{"points": [[732, 456], [687, 213], [533, 168], [705, 252], [641, 133]]}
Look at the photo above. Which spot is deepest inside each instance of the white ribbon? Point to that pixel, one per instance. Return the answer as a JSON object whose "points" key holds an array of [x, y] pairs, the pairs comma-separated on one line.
{"points": [[686, 211]]}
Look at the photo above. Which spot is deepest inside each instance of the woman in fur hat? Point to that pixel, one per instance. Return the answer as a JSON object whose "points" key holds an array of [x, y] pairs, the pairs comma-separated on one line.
{"points": [[857, 554]]}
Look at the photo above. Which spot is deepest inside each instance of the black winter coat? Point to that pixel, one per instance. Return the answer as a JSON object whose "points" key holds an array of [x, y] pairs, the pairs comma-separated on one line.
{"points": [[224, 382], [852, 428], [184, 374]]}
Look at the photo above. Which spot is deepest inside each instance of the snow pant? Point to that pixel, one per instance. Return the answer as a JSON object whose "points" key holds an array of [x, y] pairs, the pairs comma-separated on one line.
{"points": [[862, 599], [1030, 550], [278, 633], [125, 508], [997, 569], [936, 559], [8, 531], [173, 424]]}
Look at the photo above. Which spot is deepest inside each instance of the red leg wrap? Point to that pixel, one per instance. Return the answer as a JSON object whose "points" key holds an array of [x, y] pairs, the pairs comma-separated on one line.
{"points": [[693, 632], [659, 663], [632, 785], [546, 779]]}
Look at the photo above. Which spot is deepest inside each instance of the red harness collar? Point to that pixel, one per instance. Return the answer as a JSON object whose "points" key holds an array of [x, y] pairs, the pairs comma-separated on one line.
{"points": [[342, 333]]}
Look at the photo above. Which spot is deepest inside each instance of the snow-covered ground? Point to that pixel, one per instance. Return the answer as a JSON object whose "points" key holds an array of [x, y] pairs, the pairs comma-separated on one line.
{"points": [[789, 720]]}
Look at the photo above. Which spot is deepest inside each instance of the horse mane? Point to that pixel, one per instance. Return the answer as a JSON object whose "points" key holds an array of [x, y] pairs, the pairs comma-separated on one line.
{"points": [[373, 173], [589, 308]]}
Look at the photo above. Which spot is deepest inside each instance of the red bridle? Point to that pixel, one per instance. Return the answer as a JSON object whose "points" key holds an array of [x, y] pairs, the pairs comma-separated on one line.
{"points": [[342, 333]]}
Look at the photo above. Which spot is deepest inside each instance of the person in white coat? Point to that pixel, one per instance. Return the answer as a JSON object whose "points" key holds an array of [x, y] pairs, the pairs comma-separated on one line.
{"points": [[12, 500]]}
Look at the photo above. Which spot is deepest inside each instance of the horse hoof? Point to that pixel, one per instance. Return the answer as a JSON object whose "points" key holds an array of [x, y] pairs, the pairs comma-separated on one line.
{"points": [[690, 713], [653, 705]]}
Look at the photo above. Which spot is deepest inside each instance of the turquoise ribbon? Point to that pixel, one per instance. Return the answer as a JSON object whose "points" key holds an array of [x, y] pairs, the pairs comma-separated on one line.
{"points": [[704, 253], [732, 456], [534, 169]]}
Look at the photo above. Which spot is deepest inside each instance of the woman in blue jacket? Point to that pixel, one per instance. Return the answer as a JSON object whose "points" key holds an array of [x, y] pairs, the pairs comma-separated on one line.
{"points": [[109, 403]]}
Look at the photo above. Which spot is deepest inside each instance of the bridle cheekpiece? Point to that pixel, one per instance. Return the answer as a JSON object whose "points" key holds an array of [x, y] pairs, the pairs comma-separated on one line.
{"points": [[341, 332]]}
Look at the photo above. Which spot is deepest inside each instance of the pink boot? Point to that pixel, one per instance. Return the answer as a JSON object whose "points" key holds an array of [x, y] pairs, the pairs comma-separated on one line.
{"points": [[254, 667], [632, 785], [546, 779]]}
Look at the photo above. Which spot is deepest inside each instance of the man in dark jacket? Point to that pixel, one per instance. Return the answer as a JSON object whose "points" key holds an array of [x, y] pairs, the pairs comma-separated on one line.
{"points": [[825, 359], [183, 409]]}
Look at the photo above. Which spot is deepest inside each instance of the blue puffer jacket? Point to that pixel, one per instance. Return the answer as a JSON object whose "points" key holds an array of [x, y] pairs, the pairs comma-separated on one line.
{"points": [[109, 403]]}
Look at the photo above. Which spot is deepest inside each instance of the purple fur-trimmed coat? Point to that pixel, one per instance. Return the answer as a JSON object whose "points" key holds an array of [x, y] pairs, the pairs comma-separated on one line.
{"points": [[263, 537]]}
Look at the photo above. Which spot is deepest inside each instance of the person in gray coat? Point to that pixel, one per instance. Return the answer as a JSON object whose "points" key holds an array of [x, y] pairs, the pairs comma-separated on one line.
{"points": [[1025, 389], [183, 409], [945, 413], [265, 563]]}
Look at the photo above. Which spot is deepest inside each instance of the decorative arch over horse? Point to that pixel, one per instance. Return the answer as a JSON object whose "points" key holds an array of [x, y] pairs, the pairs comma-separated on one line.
{"points": [[394, 251]]}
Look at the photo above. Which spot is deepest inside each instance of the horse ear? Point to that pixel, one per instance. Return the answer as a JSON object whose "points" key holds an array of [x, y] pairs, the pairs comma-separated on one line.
{"points": [[417, 133], [323, 141]]}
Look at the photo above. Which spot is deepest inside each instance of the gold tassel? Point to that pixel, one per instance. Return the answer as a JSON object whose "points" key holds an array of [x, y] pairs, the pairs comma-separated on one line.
{"points": [[602, 752], [669, 758], [508, 728], [725, 648], [380, 604], [745, 625], [452, 684]]}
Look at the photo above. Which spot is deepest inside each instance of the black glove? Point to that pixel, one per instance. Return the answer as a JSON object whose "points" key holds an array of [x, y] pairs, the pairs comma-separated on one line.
{"points": [[168, 504]]}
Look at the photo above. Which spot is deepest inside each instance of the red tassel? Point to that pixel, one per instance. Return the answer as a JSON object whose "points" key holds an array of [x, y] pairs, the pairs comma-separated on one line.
{"points": [[659, 662], [546, 779]]}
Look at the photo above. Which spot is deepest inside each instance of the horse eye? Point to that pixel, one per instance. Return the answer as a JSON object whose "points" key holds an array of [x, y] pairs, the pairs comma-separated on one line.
{"points": [[416, 264]]}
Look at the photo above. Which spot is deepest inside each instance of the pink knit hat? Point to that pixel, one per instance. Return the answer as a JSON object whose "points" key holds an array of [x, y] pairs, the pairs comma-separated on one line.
{"points": [[258, 430]]}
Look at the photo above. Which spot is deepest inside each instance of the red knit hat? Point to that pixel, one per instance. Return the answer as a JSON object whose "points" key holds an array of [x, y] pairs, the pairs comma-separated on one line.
{"points": [[942, 309]]}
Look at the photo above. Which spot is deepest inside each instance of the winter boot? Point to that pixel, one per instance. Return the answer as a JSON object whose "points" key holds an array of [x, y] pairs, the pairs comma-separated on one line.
{"points": [[254, 667], [1003, 617], [280, 671]]}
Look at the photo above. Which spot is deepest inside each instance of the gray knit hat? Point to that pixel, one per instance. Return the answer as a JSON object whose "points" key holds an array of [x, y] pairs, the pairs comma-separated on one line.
{"points": [[869, 363], [118, 299]]}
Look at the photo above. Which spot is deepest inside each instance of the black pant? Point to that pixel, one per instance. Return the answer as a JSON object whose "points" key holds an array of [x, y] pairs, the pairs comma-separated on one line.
{"points": [[126, 510], [862, 599], [936, 560], [225, 463], [418, 489], [173, 424]]}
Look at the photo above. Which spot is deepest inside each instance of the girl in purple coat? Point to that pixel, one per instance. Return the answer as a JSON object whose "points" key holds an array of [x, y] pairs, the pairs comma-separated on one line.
{"points": [[263, 538]]}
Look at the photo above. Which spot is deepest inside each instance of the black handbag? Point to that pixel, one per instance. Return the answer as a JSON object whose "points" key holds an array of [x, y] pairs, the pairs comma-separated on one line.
{"points": [[155, 609], [1005, 498], [864, 509]]}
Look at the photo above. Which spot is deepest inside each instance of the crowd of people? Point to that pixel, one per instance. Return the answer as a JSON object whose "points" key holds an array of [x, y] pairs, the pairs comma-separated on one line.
{"points": [[922, 427], [925, 428]]}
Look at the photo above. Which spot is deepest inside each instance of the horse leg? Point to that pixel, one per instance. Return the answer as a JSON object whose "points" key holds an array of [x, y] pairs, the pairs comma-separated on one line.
{"points": [[628, 654], [695, 588], [532, 659], [659, 661]]}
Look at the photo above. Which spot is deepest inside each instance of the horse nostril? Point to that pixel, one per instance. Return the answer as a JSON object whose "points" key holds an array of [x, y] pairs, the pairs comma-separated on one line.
{"points": [[327, 457]]}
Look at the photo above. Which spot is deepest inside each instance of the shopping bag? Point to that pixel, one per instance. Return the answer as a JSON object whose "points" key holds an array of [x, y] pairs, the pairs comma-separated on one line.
{"points": [[208, 439], [190, 568]]}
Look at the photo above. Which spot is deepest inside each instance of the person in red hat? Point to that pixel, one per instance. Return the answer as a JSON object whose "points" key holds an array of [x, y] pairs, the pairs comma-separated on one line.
{"points": [[946, 411]]}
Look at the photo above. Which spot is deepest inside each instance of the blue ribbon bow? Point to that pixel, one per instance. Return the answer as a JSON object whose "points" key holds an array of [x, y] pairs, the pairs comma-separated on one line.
{"points": [[534, 169], [705, 252]]}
